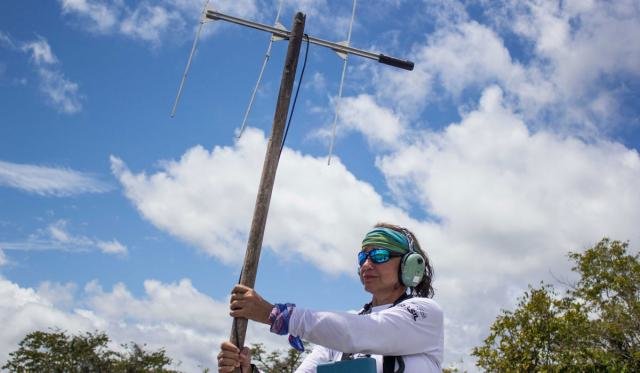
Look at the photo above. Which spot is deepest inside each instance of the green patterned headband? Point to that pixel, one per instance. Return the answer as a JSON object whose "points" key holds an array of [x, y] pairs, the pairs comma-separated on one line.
{"points": [[387, 238]]}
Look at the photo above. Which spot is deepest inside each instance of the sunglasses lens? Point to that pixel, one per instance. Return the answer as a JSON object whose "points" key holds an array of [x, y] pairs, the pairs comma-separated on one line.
{"points": [[362, 257], [378, 256]]}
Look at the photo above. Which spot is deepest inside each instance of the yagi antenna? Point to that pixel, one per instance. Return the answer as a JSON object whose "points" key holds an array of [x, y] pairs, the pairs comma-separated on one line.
{"points": [[203, 19], [264, 64], [279, 32], [344, 57]]}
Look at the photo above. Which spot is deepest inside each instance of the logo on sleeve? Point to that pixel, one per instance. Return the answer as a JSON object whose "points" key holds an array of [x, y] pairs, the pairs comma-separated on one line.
{"points": [[414, 311]]}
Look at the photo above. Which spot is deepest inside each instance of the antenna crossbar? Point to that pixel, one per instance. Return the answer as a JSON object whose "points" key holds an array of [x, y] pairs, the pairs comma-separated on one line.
{"points": [[387, 60]]}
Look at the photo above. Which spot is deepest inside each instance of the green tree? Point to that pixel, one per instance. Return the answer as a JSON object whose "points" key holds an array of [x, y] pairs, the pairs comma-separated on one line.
{"points": [[56, 351], [609, 288], [594, 326], [277, 361], [138, 360]]}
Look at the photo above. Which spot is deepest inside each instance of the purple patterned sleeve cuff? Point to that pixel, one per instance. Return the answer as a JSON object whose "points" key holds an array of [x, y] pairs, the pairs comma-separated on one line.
{"points": [[279, 319]]}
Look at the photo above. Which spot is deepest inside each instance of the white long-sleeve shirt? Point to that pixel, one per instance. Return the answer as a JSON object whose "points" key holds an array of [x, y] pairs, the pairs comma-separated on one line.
{"points": [[412, 329]]}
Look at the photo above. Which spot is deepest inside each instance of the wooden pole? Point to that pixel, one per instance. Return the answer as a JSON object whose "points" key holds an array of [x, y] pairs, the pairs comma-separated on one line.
{"points": [[254, 245]]}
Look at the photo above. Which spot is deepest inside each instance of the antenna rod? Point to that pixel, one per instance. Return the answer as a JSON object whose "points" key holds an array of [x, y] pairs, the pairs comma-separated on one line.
{"points": [[344, 70], [186, 69], [255, 89], [387, 60]]}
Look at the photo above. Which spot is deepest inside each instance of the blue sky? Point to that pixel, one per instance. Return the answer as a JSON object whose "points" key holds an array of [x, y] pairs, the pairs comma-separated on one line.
{"points": [[513, 141]]}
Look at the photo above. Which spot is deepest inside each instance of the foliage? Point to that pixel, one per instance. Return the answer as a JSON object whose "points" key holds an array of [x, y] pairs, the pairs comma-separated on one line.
{"points": [[277, 361], [56, 351], [594, 326]]}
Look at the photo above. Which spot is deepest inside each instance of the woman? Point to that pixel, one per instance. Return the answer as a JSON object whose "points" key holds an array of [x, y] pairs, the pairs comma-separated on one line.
{"points": [[401, 328]]}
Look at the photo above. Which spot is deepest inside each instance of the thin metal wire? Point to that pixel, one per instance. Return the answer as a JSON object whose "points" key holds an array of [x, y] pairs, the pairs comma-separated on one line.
{"points": [[255, 89], [203, 19], [337, 103]]}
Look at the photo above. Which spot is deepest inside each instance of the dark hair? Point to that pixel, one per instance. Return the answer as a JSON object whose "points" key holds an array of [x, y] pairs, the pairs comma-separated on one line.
{"points": [[424, 289]]}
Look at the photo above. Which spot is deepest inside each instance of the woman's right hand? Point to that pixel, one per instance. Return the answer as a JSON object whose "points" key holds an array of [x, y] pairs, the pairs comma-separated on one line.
{"points": [[247, 303], [230, 358]]}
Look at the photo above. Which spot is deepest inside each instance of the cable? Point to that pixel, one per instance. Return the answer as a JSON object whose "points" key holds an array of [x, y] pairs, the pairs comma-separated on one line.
{"points": [[295, 98]]}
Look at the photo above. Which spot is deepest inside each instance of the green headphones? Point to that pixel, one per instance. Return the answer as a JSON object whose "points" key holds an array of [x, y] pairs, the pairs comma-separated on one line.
{"points": [[412, 266]]}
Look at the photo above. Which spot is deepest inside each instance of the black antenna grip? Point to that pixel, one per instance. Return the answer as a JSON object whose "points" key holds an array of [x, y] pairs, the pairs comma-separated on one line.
{"points": [[396, 62]]}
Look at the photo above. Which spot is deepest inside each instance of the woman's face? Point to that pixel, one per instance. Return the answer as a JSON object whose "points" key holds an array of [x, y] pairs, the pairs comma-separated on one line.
{"points": [[380, 278]]}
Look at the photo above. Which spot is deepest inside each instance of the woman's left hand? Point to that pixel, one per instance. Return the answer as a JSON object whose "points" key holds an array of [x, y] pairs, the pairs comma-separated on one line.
{"points": [[247, 303], [231, 357]]}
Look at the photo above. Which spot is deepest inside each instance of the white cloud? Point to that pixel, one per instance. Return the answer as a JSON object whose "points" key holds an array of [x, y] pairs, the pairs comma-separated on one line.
{"points": [[582, 40], [40, 52], [58, 231], [206, 198], [112, 247], [49, 181], [571, 64], [379, 124], [157, 21], [485, 57], [61, 93], [187, 323], [101, 16], [588, 53], [56, 236], [524, 185], [61, 237], [148, 22], [61, 296], [163, 304], [175, 199], [460, 57], [151, 22]]}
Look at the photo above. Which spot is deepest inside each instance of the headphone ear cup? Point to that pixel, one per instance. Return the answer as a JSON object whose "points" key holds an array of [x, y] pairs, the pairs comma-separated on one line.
{"points": [[412, 269]]}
